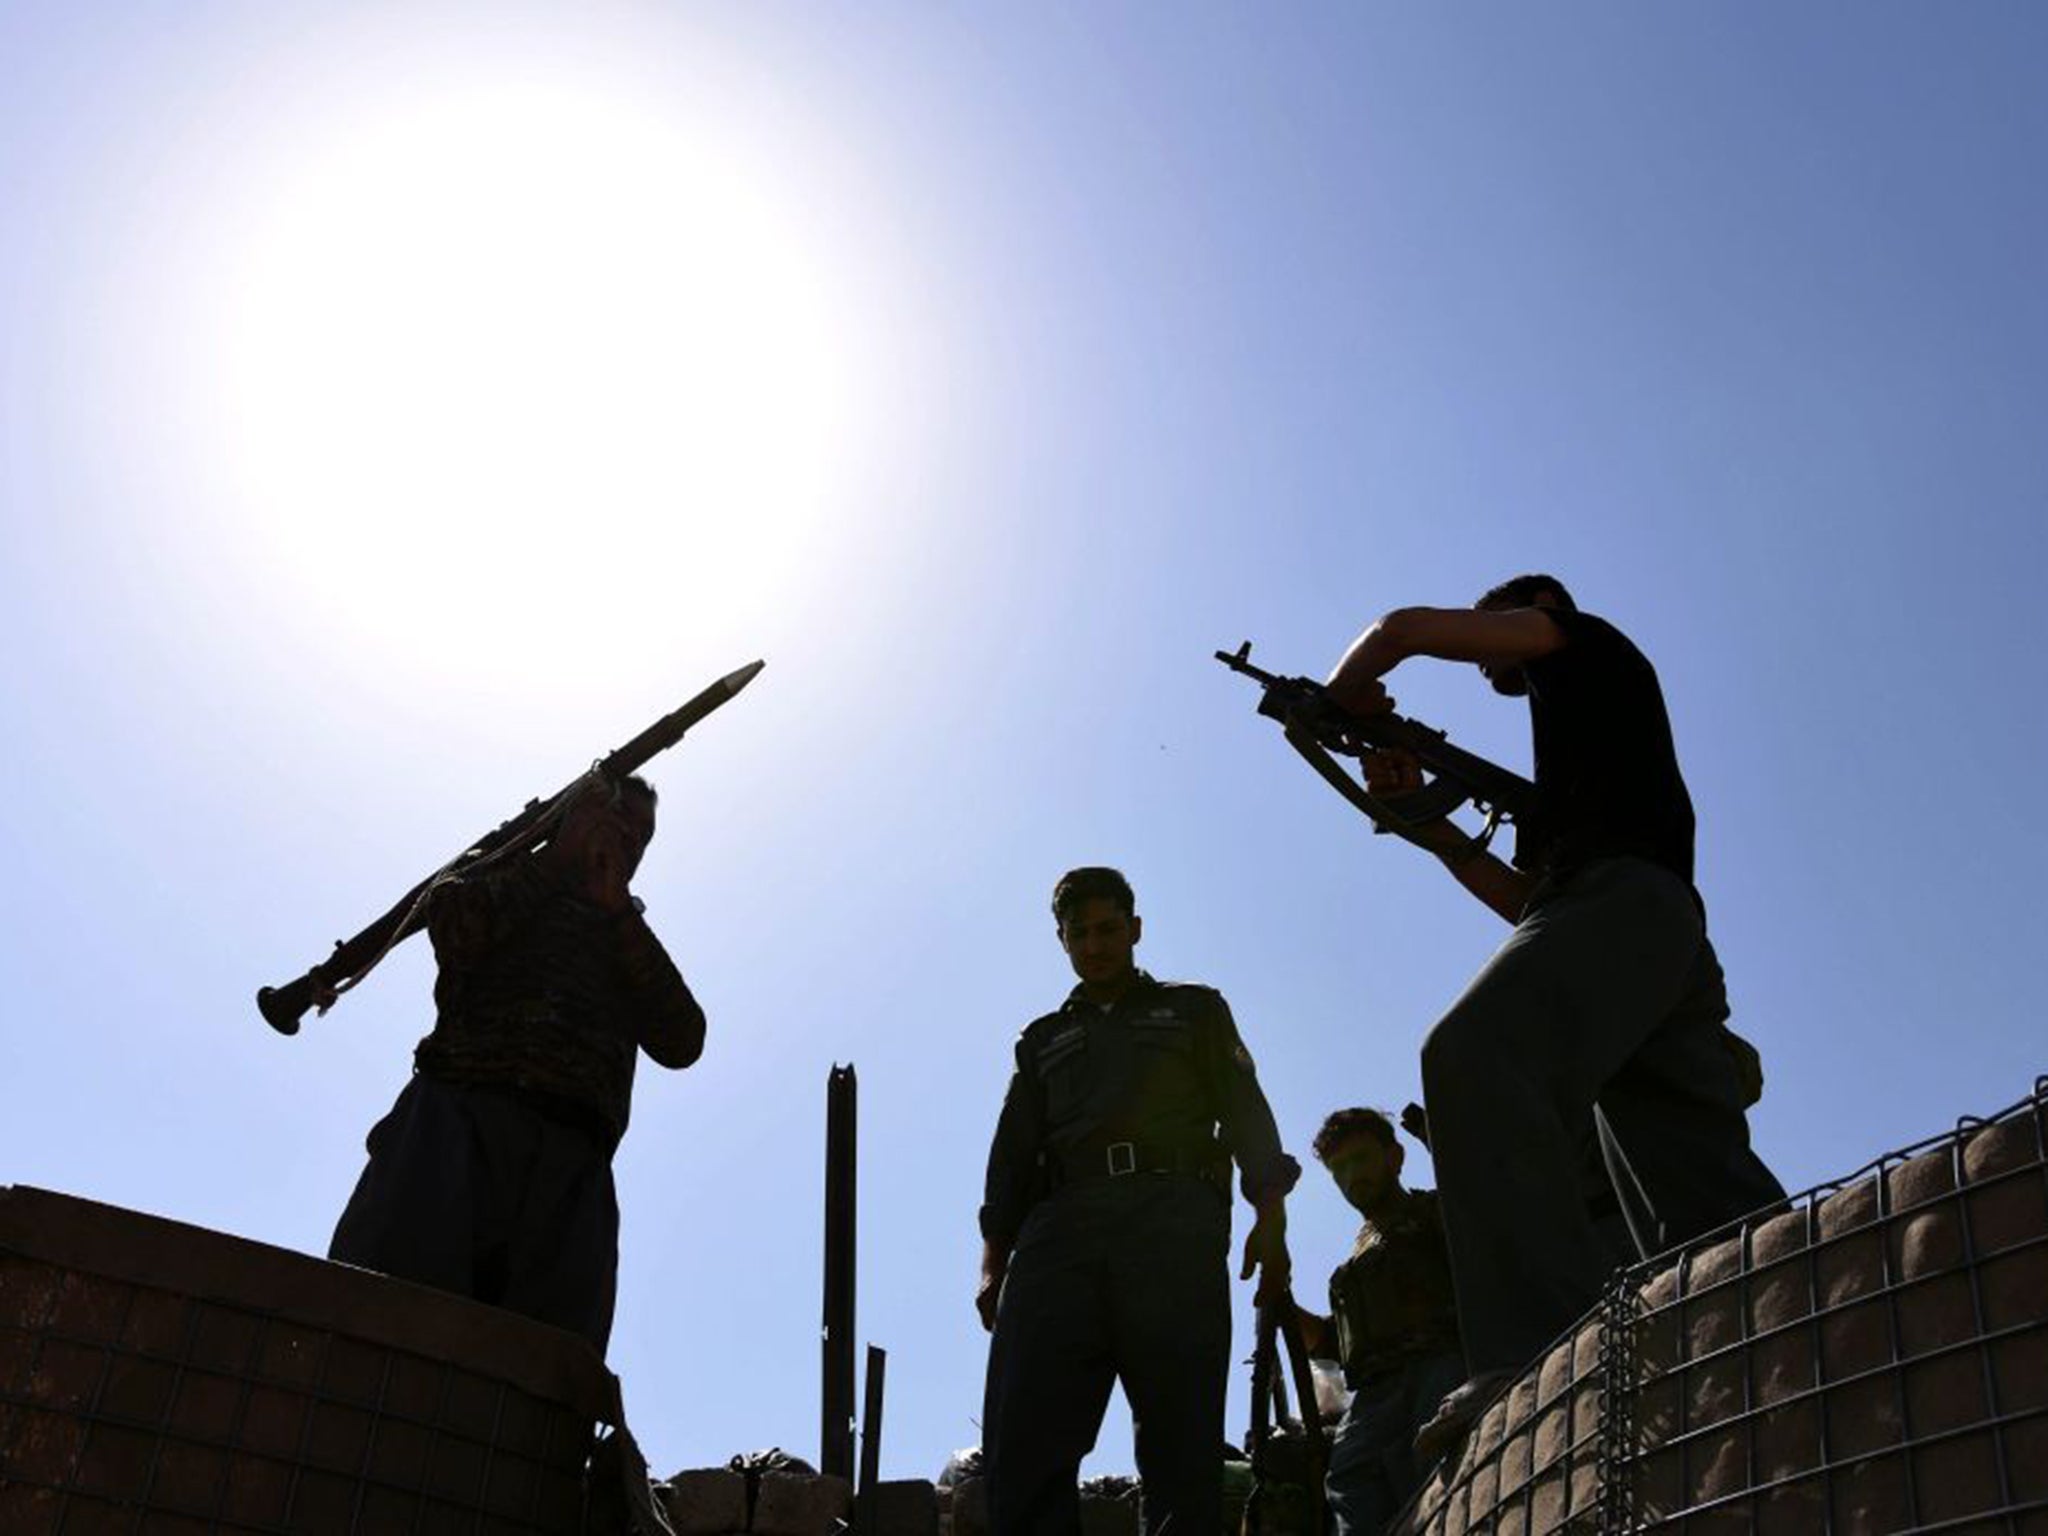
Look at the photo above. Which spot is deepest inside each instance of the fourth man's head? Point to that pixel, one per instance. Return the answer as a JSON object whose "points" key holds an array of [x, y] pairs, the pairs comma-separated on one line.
{"points": [[1363, 1155]]}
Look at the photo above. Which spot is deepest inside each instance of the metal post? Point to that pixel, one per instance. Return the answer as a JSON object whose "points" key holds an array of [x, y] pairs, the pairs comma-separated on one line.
{"points": [[871, 1441], [835, 1455]]}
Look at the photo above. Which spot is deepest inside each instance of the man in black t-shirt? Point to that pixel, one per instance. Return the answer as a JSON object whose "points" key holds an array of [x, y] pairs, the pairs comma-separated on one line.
{"points": [[1606, 999]]}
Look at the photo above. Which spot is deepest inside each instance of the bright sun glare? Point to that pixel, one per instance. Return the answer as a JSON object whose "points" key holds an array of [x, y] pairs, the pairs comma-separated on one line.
{"points": [[529, 341]]}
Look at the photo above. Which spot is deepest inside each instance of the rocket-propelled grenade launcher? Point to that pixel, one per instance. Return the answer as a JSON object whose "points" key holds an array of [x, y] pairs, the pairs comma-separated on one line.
{"points": [[1322, 730], [354, 958]]}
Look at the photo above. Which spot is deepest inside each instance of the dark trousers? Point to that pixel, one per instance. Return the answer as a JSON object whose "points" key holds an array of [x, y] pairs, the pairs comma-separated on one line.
{"points": [[1373, 1468], [1112, 1280], [472, 1191], [1606, 994]]}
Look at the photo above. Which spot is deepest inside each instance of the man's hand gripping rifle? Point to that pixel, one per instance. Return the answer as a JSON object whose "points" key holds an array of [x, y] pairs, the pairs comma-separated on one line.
{"points": [[1322, 730]]}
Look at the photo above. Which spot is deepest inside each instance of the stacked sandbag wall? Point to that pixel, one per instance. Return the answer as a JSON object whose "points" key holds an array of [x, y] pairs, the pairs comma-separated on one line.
{"points": [[1872, 1359], [727, 1501], [162, 1378]]}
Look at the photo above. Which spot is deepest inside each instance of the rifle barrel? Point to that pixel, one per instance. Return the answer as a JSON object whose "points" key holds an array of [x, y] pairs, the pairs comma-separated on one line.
{"points": [[669, 729]]}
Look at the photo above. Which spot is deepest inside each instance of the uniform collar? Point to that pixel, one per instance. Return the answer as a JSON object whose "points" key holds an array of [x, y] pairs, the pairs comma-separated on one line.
{"points": [[1141, 985]]}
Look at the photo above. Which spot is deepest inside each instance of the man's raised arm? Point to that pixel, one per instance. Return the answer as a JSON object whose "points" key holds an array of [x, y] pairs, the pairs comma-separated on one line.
{"points": [[668, 1022], [1488, 637]]}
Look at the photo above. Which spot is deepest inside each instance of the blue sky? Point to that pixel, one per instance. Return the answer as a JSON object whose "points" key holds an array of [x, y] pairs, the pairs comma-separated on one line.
{"points": [[401, 405]]}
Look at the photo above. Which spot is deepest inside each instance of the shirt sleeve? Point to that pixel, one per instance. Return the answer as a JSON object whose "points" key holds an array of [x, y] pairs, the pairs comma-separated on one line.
{"points": [[667, 1021], [1581, 629], [1015, 1172], [1264, 1168]]}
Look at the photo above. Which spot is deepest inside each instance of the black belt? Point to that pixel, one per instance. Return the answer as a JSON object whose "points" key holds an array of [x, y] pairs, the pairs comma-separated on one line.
{"points": [[1120, 1159]]}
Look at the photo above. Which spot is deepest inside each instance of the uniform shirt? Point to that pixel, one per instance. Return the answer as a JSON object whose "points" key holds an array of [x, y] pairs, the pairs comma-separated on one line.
{"points": [[1163, 1068], [1391, 1300], [547, 994], [1607, 779]]}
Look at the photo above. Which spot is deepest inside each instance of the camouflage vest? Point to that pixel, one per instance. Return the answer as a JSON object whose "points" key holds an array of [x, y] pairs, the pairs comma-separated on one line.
{"points": [[1392, 1299]]}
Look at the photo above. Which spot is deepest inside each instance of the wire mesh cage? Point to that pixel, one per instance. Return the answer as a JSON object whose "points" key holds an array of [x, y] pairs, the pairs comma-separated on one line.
{"points": [[161, 1378], [1871, 1357]]}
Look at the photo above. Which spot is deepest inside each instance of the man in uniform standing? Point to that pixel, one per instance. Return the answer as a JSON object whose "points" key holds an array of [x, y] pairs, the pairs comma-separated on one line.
{"points": [[1106, 1229], [1607, 994], [1393, 1323], [492, 1174]]}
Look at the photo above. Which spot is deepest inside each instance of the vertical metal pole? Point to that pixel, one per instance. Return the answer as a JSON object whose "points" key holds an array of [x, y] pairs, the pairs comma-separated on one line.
{"points": [[871, 1440], [835, 1455]]}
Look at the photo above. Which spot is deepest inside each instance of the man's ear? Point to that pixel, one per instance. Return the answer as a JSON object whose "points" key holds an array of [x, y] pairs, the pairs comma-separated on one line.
{"points": [[1396, 1158], [1137, 927]]}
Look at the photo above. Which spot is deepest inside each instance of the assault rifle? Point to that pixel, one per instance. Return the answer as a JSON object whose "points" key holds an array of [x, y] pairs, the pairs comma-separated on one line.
{"points": [[1322, 730], [353, 959], [1277, 1461]]}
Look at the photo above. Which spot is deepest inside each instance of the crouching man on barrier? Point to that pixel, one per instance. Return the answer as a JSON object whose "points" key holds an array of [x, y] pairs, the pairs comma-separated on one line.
{"points": [[1607, 996]]}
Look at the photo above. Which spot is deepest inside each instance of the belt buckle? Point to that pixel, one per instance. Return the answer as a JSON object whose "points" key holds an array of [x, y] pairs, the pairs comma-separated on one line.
{"points": [[1122, 1157]]}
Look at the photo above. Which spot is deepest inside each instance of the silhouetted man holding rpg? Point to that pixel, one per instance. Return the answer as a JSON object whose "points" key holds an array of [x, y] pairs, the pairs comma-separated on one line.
{"points": [[492, 1174], [1606, 994]]}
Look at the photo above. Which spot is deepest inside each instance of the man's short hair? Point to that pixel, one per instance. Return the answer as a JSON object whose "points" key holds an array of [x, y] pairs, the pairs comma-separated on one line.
{"points": [[1092, 882], [1346, 1124], [1520, 591]]}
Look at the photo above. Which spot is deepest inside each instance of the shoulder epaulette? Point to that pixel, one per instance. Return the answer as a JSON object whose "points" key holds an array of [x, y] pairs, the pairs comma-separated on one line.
{"points": [[1042, 1023]]}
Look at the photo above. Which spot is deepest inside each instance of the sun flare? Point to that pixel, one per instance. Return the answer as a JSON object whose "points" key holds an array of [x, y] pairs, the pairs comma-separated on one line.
{"points": [[509, 364]]}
